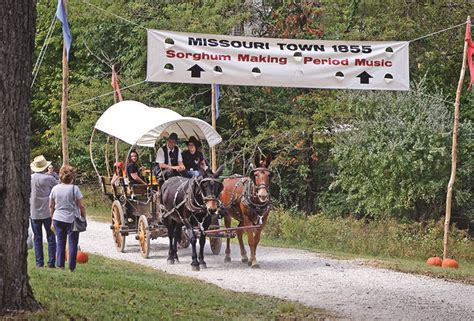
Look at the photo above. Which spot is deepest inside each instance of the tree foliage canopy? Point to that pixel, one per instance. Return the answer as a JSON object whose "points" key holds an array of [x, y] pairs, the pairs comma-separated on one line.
{"points": [[300, 127]]}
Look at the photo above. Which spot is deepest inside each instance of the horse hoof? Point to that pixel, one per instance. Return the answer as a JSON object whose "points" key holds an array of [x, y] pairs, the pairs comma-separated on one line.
{"points": [[249, 263], [227, 260], [195, 267], [170, 261], [203, 265], [245, 260], [255, 266]]}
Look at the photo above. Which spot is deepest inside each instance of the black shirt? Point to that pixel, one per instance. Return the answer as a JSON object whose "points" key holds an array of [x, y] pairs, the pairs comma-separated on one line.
{"points": [[132, 168], [191, 161]]}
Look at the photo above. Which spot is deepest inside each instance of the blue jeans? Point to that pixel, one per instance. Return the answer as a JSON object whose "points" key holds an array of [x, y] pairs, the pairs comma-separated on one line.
{"points": [[190, 173], [37, 227], [64, 232]]}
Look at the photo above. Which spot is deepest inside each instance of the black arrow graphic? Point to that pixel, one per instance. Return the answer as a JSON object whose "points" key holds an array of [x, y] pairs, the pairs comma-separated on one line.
{"points": [[196, 71], [364, 77]]}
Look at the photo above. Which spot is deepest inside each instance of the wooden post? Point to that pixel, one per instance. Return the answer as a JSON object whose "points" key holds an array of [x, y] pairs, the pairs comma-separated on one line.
{"points": [[453, 151], [213, 118], [64, 103], [116, 99]]}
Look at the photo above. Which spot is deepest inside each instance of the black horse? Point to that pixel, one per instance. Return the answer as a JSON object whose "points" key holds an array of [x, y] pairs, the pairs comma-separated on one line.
{"points": [[190, 202]]}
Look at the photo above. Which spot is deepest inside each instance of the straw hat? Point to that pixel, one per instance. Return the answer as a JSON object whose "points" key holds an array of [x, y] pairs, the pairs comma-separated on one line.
{"points": [[39, 164]]}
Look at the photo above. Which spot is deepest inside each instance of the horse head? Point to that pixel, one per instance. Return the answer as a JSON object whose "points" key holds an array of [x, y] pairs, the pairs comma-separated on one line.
{"points": [[210, 188], [261, 176]]}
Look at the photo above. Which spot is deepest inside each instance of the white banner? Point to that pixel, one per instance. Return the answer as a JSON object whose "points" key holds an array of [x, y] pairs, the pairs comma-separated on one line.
{"points": [[228, 60]]}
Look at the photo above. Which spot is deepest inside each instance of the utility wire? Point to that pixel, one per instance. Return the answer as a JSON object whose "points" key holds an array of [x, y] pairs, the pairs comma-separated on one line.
{"points": [[42, 53], [133, 23], [113, 14], [106, 94]]}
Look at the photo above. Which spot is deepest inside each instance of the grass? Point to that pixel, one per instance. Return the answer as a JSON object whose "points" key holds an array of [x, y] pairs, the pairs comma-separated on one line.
{"points": [[97, 205], [401, 247], [105, 289]]}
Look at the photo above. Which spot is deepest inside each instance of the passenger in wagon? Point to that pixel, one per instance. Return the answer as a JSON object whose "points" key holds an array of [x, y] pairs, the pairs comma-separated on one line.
{"points": [[193, 159], [118, 172], [133, 170], [169, 158]]}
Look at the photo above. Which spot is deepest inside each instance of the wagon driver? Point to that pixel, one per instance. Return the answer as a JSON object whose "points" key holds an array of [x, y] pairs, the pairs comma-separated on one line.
{"points": [[169, 158]]}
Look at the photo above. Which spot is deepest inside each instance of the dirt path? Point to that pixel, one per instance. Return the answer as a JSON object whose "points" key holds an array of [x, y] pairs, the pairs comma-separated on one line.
{"points": [[342, 287]]}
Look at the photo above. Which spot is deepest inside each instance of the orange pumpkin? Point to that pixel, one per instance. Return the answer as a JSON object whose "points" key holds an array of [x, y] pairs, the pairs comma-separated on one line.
{"points": [[450, 263], [82, 257], [436, 261]]}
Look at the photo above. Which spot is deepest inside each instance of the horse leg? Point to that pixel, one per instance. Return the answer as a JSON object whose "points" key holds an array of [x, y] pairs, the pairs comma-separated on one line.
{"points": [[253, 250], [251, 241], [227, 222], [170, 237], [243, 252], [177, 237], [258, 232], [192, 240], [202, 242]]}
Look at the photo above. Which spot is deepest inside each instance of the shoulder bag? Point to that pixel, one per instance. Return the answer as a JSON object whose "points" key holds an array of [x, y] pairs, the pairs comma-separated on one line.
{"points": [[80, 223]]}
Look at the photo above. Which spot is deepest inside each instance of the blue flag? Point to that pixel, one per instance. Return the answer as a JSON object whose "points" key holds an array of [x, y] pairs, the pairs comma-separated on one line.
{"points": [[217, 94], [62, 16]]}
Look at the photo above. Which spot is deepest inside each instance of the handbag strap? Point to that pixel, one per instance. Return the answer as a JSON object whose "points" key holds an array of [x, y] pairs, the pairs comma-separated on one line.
{"points": [[75, 201]]}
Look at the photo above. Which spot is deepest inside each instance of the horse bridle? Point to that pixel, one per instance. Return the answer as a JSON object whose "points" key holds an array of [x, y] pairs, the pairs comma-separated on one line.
{"points": [[195, 206], [213, 181], [258, 187], [251, 191]]}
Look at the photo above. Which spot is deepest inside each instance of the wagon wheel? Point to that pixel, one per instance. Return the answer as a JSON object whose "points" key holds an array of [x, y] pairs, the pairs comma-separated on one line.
{"points": [[144, 236], [117, 221], [215, 242], [184, 242]]}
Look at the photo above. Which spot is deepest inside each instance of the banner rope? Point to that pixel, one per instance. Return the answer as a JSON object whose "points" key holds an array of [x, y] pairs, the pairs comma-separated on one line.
{"points": [[436, 32], [138, 25]]}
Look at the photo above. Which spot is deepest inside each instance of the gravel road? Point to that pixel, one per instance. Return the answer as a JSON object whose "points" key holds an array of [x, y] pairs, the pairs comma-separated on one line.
{"points": [[345, 288]]}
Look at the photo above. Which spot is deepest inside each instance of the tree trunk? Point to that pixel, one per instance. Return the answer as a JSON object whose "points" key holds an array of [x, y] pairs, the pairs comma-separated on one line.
{"points": [[17, 31]]}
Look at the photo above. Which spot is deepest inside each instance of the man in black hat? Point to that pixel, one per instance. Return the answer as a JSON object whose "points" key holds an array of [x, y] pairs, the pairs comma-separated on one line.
{"points": [[169, 158], [193, 159]]}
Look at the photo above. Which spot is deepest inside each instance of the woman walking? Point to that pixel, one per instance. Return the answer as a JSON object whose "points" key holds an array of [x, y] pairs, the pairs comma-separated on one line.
{"points": [[66, 203]]}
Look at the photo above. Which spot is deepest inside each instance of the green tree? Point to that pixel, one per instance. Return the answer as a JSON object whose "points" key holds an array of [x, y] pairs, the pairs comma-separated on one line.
{"points": [[396, 158]]}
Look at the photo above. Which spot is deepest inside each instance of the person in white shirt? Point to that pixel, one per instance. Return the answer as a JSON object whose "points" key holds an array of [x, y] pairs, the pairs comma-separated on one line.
{"points": [[169, 158], [66, 202], [41, 186]]}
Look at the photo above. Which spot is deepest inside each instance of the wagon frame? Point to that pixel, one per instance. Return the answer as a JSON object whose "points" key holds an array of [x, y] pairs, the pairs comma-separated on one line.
{"points": [[136, 209]]}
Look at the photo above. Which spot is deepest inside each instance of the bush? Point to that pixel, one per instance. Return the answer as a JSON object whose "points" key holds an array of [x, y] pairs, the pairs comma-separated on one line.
{"points": [[396, 160], [383, 237]]}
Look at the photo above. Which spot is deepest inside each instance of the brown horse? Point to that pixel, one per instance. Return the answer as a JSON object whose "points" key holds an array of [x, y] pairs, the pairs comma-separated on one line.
{"points": [[247, 199]]}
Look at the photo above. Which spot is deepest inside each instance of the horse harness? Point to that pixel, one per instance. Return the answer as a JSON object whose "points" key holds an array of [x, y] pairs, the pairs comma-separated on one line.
{"points": [[247, 198], [189, 202]]}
